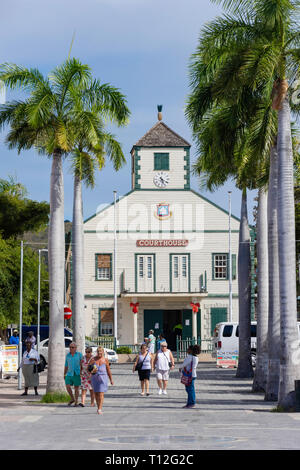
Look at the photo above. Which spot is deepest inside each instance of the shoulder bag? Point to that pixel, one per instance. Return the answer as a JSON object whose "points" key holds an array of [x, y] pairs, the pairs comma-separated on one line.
{"points": [[186, 377], [140, 364]]}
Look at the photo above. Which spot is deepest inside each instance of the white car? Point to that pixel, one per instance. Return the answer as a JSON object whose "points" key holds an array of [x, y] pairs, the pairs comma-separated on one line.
{"points": [[111, 355]]}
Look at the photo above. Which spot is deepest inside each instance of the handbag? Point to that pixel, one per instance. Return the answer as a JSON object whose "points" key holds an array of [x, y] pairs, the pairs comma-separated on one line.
{"points": [[169, 362], [140, 364], [186, 377], [37, 368]]}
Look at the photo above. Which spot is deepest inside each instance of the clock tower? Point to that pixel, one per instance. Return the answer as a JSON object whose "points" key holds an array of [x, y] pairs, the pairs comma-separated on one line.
{"points": [[161, 160]]}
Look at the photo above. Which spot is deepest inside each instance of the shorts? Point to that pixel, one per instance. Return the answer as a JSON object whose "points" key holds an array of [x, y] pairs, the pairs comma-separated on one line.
{"points": [[144, 374], [73, 380], [162, 374]]}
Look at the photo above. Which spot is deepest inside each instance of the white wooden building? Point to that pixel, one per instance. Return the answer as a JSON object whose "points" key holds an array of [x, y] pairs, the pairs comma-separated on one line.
{"points": [[172, 250]]}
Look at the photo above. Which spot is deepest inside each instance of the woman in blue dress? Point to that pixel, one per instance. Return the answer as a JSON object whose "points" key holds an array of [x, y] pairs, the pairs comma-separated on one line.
{"points": [[100, 375]]}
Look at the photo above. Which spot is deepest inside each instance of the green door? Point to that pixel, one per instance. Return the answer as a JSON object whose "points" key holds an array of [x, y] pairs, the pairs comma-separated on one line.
{"points": [[153, 320], [218, 315], [187, 329]]}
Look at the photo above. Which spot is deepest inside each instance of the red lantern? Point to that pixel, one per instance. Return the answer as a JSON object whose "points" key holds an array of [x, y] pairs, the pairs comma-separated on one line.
{"points": [[67, 312], [135, 307], [195, 307]]}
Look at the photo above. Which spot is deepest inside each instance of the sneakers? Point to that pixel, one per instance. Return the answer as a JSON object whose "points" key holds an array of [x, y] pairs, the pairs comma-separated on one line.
{"points": [[165, 392], [159, 391]]}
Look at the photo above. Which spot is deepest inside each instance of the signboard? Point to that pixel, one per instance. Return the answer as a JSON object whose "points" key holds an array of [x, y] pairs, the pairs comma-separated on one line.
{"points": [[227, 360], [162, 243], [8, 359]]}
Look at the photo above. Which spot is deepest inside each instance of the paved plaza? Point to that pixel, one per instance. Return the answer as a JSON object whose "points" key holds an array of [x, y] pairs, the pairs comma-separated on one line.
{"points": [[227, 416]]}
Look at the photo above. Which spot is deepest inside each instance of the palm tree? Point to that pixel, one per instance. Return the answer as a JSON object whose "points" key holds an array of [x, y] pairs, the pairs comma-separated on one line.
{"points": [[223, 137], [261, 369], [91, 146], [258, 47], [46, 120]]}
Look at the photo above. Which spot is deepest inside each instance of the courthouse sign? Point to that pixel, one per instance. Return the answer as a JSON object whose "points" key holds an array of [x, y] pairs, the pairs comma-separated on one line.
{"points": [[162, 243]]}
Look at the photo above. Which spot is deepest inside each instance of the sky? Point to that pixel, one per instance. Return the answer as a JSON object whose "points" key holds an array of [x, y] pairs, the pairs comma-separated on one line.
{"points": [[142, 47]]}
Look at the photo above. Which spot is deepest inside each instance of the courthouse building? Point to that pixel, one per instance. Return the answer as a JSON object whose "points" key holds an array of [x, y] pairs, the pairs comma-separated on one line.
{"points": [[172, 251]]}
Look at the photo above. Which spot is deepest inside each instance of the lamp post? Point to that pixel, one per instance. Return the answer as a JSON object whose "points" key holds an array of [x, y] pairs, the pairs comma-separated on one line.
{"points": [[230, 261], [39, 300], [115, 272], [20, 317]]}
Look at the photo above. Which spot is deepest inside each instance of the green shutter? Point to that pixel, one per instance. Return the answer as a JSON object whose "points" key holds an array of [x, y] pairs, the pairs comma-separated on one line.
{"points": [[233, 258], [218, 315], [161, 161]]}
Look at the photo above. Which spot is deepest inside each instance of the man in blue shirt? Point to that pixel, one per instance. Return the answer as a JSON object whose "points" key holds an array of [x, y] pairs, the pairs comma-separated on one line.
{"points": [[73, 366], [14, 339]]}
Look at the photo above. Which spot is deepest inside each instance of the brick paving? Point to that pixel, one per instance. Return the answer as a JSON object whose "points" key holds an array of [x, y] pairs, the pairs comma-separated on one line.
{"points": [[227, 416]]}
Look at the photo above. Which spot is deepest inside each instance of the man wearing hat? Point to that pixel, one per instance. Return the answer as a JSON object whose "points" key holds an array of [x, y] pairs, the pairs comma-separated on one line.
{"points": [[14, 339]]}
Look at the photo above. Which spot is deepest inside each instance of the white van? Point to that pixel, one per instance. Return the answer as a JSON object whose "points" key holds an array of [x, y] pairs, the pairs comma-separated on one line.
{"points": [[226, 343]]}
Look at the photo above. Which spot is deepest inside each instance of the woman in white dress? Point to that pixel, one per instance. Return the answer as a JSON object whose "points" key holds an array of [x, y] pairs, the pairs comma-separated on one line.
{"points": [[30, 374], [163, 362]]}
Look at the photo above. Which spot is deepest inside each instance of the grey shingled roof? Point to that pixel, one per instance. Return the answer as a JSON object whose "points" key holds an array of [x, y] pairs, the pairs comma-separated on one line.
{"points": [[160, 135]]}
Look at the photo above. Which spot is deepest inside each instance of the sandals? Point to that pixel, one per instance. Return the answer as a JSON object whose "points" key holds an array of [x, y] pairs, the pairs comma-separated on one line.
{"points": [[81, 404], [99, 412]]}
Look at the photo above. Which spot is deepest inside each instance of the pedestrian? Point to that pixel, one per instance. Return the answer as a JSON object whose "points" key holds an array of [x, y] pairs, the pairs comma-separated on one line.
{"points": [[144, 364], [72, 373], [161, 339], [86, 378], [151, 341], [100, 374], [14, 339], [189, 373], [30, 337], [29, 360], [163, 362]]}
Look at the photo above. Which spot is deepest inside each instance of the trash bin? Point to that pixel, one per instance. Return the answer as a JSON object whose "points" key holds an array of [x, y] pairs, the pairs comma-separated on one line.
{"points": [[297, 390]]}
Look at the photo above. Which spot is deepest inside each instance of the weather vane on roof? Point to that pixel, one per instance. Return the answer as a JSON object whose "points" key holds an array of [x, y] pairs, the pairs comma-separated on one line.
{"points": [[159, 109]]}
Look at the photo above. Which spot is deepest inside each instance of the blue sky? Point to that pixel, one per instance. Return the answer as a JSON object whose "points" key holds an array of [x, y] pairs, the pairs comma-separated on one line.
{"points": [[140, 46]]}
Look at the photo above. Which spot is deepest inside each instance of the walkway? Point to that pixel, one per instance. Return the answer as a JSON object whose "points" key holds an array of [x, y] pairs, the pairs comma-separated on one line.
{"points": [[227, 416]]}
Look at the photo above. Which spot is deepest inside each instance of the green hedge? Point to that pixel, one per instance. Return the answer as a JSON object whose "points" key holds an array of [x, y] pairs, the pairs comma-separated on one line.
{"points": [[124, 350]]}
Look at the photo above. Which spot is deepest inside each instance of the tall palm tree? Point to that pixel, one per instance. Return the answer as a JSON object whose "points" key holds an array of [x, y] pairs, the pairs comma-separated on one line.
{"points": [[257, 45], [46, 120], [88, 155], [261, 369], [223, 137]]}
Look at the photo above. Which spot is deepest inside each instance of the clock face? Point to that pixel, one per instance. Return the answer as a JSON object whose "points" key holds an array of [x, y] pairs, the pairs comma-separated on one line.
{"points": [[161, 179]]}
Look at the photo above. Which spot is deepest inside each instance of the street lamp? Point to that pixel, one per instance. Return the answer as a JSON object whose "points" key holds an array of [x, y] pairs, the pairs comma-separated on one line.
{"points": [[115, 272], [39, 299]]}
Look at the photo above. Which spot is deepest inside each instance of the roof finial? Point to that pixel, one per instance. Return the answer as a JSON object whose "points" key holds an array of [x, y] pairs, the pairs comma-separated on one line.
{"points": [[159, 109]]}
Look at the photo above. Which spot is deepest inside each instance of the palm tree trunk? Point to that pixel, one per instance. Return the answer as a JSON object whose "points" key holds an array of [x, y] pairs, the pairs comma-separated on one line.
{"points": [[77, 267], [56, 253], [274, 286], [289, 366], [260, 375], [244, 369]]}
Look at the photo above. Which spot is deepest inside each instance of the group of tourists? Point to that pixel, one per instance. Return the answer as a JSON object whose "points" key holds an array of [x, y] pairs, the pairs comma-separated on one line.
{"points": [[92, 373]]}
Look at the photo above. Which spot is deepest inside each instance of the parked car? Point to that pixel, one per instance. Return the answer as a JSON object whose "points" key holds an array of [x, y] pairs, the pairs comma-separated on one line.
{"points": [[43, 350]]}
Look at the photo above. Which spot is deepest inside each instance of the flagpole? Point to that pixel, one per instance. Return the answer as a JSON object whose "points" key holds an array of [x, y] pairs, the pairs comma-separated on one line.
{"points": [[230, 261]]}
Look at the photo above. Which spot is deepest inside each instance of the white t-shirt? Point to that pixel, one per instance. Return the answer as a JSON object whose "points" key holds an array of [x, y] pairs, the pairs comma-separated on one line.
{"points": [[191, 360], [32, 354], [163, 359]]}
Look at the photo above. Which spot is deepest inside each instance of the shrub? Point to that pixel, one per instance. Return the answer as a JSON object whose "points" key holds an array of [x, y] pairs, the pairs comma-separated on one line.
{"points": [[124, 350], [55, 398]]}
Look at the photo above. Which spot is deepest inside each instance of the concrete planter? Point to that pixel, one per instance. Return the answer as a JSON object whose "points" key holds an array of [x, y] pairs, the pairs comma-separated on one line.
{"points": [[126, 358]]}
